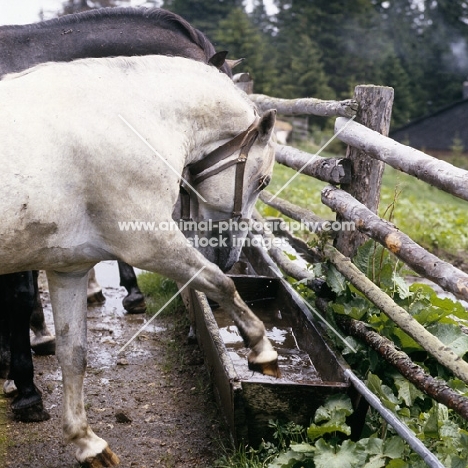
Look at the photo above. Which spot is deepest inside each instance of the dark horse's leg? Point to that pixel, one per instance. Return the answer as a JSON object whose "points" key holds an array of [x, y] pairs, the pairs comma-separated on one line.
{"points": [[18, 296], [134, 302], [43, 342], [4, 332]]}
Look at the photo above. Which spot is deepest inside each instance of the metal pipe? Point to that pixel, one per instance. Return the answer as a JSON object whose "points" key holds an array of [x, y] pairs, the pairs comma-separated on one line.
{"points": [[402, 429]]}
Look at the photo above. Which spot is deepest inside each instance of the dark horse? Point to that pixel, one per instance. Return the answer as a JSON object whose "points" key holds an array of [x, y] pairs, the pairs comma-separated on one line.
{"points": [[95, 33]]}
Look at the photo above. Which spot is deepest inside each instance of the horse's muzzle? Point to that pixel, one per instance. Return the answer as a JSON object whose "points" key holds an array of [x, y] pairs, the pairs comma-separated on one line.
{"points": [[220, 242]]}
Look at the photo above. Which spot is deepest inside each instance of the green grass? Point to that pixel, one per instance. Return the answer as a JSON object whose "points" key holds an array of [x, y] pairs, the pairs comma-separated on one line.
{"points": [[158, 290], [4, 438], [431, 217]]}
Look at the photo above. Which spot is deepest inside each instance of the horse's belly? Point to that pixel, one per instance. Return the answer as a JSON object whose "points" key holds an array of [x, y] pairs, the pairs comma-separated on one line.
{"points": [[18, 256], [28, 243]]}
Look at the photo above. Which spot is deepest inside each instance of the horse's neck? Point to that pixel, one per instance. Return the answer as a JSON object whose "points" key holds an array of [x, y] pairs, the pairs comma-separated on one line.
{"points": [[225, 125], [24, 47]]}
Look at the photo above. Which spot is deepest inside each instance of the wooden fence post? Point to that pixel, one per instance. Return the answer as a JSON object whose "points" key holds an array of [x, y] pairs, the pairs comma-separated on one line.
{"points": [[375, 110]]}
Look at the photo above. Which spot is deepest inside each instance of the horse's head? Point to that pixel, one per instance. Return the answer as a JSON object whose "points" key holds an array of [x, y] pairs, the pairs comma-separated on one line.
{"points": [[227, 183]]}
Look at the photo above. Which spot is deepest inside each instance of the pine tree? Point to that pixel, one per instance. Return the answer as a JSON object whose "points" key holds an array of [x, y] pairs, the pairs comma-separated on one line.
{"points": [[259, 17], [204, 15], [238, 35], [394, 75], [77, 6], [306, 76]]}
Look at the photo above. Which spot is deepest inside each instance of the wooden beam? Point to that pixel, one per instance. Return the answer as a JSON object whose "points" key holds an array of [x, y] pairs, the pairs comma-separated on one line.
{"points": [[419, 259], [308, 106], [435, 172], [331, 170]]}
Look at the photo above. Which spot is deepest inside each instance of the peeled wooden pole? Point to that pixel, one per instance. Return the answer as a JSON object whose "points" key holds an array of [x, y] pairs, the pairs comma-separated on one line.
{"points": [[309, 106], [420, 260], [311, 220], [435, 172], [332, 170], [442, 353]]}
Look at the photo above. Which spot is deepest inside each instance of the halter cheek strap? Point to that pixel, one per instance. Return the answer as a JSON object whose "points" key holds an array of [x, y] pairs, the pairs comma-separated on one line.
{"points": [[199, 171]]}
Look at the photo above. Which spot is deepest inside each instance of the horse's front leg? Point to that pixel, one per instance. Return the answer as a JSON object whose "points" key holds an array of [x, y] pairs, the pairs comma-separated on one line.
{"points": [[262, 358], [68, 298], [208, 278]]}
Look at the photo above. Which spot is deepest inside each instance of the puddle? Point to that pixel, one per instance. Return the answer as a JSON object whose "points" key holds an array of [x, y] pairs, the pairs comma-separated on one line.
{"points": [[108, 323]]}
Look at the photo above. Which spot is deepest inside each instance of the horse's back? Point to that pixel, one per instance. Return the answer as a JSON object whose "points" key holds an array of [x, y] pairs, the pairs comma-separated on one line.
{"points": [[102, 33]]}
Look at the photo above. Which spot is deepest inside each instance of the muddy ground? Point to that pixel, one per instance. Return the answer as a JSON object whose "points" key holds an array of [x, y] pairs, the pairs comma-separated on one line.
{"points": [[152, 403]]}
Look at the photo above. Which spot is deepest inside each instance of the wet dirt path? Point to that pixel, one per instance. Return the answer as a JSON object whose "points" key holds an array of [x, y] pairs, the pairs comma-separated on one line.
{"points": [[152, 403]]}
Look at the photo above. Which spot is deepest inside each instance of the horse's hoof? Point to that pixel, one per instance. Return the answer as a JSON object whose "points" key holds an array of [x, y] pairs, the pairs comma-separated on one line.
{"points": [[134, 304], [44, 346], [107, 458], [96, 298], [9, 388], [266, 368], [29, 412], [266, 362]]}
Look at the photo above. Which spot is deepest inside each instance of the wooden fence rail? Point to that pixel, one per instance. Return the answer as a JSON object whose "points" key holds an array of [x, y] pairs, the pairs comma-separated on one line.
{"points": [[308, 106], [332, 170], [355, 172], [420, 260], [435, 172]]}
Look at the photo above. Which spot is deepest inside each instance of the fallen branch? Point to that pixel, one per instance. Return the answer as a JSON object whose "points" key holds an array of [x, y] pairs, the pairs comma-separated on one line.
{"points": [[442, 353], [435, 388]]}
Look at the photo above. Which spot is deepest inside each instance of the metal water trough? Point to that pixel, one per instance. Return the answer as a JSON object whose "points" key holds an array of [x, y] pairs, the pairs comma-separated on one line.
{"points": [[311, 369]]}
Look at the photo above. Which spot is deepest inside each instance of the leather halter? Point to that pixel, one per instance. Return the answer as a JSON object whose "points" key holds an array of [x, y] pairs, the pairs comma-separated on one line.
{"points": [[199, 171]]}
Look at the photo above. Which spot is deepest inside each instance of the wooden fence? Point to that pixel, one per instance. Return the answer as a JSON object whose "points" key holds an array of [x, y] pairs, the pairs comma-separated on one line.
{"points": [[353, 194]]}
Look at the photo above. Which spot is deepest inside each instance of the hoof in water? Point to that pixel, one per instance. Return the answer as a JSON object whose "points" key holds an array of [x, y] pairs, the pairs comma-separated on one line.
{"points": [[107, 458], [43, 347], [29, 410], [96, 298], [266, 368], [134, 304]]}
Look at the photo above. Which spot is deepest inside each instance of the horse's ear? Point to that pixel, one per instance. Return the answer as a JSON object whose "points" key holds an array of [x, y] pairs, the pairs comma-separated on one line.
{"points": [[233, 63], [267, 125], [218, 59]]}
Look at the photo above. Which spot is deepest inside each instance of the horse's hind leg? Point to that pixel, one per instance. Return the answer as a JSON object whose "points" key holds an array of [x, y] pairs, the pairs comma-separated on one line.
{"points": [[27, 406], [134, 302], [43, 342], [68, 297]]}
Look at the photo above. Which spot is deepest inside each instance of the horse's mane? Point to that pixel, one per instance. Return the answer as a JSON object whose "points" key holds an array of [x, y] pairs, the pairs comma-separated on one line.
{"points": [[159, 17]]}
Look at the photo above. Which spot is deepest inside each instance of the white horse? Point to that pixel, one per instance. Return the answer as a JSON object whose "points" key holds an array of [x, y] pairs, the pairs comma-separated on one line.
{"points": [[88, 144]]}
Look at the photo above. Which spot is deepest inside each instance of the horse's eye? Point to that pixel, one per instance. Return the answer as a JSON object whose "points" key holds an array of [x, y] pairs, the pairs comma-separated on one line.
{"points": [[264, 181]]}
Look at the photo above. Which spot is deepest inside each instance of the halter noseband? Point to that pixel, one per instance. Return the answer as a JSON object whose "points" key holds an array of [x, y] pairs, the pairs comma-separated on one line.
{"points": [[199, 171]]}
